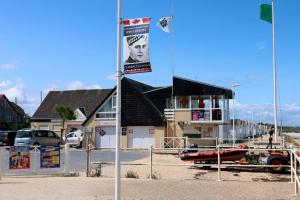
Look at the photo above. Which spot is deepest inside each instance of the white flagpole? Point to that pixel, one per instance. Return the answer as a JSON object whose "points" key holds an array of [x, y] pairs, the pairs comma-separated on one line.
{"points": [[118, 109], [275, 74]]}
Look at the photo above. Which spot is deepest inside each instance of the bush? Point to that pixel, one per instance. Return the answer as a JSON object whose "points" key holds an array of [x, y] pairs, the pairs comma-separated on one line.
{"points": [[97, 172], [132, 174], [155, 176]]}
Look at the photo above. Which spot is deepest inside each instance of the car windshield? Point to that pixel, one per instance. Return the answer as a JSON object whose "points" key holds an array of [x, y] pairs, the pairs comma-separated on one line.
{"points": [[23, 134]]}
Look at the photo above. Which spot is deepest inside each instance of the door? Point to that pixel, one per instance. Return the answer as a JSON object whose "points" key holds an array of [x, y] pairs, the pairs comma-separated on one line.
{"points": [[106, 138], [140, 137]]}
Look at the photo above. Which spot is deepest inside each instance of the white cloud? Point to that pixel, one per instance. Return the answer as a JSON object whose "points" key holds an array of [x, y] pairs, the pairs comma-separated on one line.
{"points": [[8, 66], [111, 77], [265, 112], [77, 85], [18, 92], [5, 83]]}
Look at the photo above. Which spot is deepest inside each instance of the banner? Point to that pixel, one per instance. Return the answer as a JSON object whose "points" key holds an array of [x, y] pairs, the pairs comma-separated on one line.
{"points": [[136, 46], [50, 157], [19, 157]]}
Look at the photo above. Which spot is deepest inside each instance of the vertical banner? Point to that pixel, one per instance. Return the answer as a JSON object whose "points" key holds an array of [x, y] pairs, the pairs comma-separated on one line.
{"points": [[136, 46], [50, 156], [19, 157]]}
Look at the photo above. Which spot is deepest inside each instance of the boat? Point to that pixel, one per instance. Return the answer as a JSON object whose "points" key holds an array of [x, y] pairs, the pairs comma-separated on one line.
{"points": [[233, 154]]}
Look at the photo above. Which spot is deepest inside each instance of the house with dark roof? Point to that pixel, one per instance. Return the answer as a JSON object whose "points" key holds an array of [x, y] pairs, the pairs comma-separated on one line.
{"points": [[12, 116], [83, 102], [157, 116], [164, 116]]}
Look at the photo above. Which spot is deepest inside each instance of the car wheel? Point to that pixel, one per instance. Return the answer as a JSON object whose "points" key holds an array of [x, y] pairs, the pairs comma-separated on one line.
{"points": [[276, 161]]}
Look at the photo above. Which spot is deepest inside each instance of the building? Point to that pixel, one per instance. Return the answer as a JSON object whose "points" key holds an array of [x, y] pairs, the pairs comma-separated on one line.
{"points": [[157, 116], [12, 116], [83, 102]]}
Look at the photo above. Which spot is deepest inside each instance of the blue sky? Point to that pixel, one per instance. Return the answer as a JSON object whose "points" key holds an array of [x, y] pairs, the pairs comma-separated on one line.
{"points": [[71, 44]]}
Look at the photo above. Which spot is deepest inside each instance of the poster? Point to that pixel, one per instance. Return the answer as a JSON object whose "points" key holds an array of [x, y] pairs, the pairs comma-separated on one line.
{"points": [[50, 157], [136, 46], [19, 157]]}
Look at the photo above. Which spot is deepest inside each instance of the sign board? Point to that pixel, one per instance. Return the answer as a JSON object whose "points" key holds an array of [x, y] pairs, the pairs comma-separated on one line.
{"points": [[50, 157], [102, 132], [19, 157]]}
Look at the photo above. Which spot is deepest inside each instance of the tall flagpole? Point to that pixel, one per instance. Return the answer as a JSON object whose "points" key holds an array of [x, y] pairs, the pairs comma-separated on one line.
{"points": [[118, 109], [275, 74]]}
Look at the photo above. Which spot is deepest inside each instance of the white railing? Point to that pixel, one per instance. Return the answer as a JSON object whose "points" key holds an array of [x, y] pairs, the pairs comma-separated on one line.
{"points": [[173, 142], [169, 114], [295, 163]]}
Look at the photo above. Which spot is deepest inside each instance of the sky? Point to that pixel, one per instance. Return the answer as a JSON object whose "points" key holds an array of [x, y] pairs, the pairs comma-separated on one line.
{"points": [[71, 44]]}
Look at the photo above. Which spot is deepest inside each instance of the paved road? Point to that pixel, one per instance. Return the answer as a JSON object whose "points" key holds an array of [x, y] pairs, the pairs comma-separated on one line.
{"points": [[77, 160]]}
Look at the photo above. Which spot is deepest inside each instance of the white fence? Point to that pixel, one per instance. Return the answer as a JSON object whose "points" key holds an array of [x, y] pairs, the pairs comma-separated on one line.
{"points": [[185, 142]]}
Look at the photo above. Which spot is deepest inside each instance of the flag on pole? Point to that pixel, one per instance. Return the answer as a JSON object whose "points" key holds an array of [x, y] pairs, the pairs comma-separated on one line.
{"points": [[266, 12], [164, 23]]}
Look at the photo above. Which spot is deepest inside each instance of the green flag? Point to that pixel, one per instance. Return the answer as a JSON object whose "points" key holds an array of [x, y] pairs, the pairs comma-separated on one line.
{"points": [[266, 12]]}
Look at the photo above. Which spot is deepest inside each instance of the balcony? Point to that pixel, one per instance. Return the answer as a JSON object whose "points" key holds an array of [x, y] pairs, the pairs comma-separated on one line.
{"points": [[198, 109]]}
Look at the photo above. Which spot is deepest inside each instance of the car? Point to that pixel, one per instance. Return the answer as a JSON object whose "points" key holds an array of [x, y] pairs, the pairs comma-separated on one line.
{"points": [[7, 138], [36, 138], [74, 138]]}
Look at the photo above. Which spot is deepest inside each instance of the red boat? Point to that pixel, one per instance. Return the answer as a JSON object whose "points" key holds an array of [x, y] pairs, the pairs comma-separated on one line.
{"points": [[212, 156]]}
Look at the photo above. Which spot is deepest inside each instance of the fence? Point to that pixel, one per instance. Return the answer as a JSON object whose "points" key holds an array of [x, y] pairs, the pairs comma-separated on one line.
{"points": [[66, 161], [184, 142], [220, 164], [32, 164]]}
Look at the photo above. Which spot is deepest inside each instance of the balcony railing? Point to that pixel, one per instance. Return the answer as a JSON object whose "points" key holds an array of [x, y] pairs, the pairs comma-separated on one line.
{"points": [[169, 114], [199, 114]]}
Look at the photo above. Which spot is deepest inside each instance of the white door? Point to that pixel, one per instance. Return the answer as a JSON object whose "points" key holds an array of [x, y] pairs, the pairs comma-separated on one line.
{"points": [[140, 137], [107, 138]]}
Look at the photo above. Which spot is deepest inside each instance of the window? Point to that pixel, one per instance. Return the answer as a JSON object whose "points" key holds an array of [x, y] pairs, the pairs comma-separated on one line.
{"points": [[182, 102], [114, 101], [51, 134], [108, 110], [40, 134]]}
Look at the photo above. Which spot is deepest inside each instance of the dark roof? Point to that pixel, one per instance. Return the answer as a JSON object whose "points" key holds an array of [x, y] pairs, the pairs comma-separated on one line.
{"points": [[14, 106], [185, 87], [17, 108], [136, 108], [158, 97], [87, 99]]}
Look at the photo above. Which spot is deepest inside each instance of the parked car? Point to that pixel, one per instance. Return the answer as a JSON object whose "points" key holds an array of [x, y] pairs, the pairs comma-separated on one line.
{"points": [[74, 138], [7, 138], [36, 137]]}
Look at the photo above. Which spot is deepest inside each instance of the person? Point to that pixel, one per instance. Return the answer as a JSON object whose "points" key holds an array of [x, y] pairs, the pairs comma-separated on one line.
{"points": [[138, 49], [271, 132]]}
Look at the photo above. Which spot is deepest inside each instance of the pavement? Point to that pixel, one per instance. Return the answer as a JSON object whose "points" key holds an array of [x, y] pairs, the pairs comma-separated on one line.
{"points": [[82, 188]]}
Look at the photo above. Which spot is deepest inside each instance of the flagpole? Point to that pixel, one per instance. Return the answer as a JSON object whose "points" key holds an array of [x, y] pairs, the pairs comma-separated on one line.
{"points": [[118, 109], [275, 71]]}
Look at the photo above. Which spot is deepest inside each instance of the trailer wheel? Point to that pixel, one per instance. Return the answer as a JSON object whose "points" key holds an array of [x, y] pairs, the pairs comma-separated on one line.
{"points": [[276, 161]]}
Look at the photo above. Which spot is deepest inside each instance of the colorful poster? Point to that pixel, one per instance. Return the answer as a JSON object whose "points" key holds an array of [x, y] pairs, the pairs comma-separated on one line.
{"points": [[136, 46], [50, 157], [19, 157]]}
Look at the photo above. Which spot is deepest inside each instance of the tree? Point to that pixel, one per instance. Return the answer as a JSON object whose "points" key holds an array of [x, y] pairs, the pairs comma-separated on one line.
{"points": [[65, 113]]}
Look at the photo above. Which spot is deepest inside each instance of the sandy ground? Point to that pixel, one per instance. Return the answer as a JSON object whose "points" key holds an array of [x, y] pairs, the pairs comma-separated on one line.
{"points": [[173, 182]]}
